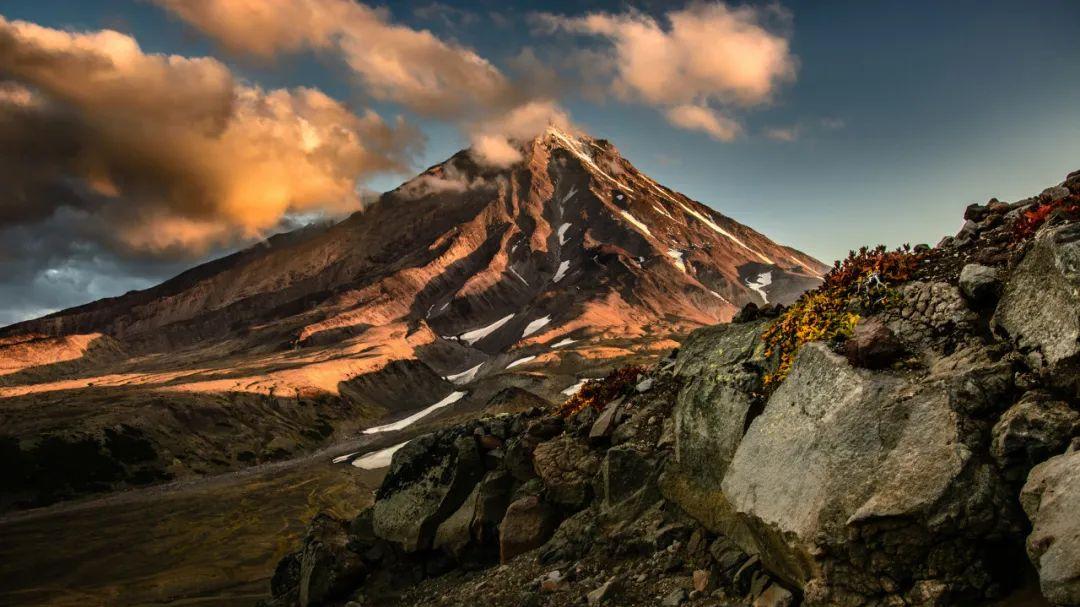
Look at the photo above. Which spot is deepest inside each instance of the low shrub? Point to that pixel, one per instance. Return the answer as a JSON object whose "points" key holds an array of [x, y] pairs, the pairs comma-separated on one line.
{"points": [[863, 283], [598, 392]]}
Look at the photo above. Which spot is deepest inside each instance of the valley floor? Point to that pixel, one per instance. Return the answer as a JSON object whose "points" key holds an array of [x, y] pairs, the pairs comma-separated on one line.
{"points": [[211, 541]]}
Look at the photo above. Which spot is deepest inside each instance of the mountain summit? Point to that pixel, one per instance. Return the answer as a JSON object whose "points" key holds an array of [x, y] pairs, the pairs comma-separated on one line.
{"points": [[566, 262]]}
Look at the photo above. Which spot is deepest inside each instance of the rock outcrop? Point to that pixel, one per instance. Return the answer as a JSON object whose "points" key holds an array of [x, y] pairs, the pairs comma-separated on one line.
{"points": [[1051, 499], [916, 447]]}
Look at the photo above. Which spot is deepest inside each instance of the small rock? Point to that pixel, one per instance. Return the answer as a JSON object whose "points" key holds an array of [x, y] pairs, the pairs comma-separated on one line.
{"points": [[604, 592], [644, 385], [490, 442], [968, 232], [674, 598], [704, 580], [551, 582], [872, 345], [979, 284], [605, 424], [774, 596], [1054, 194], [975, 212], [545, 428]]}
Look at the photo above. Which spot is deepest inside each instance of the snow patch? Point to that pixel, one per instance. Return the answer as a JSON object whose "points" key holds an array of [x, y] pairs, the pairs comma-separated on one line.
{"points": [[570, 194], [661, 210], [561, 272], [677, 255], [763, 280], [812, 271], [471, 337], [450, 399], [378, 459], [520, 277], [535, 326], [636, 222], [712, 224], [465, 376], [574, 147], [342, 458], [562, 233], [563, 342], [521, 361], [574, 389], [720, 297]]}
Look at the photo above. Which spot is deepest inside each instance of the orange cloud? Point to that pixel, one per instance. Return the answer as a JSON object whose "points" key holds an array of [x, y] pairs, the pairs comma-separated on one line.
{"points": [[706, 54], [194, 158], [709, 121], [496, 142], [394, 62]]}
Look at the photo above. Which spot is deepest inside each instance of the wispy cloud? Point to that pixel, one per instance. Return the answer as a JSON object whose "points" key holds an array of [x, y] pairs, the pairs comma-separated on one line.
{"points": [[787, 134], [707, 120], [694, 61]]}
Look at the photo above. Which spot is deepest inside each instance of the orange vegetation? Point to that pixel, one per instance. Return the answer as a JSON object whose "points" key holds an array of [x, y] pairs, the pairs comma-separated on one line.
{"points": [[599, 392], [861, 284]]}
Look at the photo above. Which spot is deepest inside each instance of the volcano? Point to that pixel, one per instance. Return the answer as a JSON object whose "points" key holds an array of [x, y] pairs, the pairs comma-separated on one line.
{"points": [[465, 279]]}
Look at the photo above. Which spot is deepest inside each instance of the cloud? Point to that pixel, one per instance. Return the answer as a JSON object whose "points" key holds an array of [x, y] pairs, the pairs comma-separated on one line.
{"points": [[170, 155], [496, 142], [700, 118], [394, 63], [695, 59], [787, 134]]}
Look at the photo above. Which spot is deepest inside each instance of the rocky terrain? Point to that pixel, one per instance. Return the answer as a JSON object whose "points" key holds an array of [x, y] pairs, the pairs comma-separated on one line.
{"points": [[466, 279], [908, 433]]}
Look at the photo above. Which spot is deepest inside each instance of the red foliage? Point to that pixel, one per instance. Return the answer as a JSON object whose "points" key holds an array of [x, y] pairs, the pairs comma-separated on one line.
{"points": [[597, 393], [1033, 218]]}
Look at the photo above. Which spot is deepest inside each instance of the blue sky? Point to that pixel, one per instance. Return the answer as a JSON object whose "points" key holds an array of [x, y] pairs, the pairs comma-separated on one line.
{"points": [[902, 112]]}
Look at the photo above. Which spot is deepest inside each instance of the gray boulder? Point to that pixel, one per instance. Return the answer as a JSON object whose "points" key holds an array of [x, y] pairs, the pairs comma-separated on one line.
{"points": [[627, 482], [1051, 498], [429, 479], [1040, 306], [979, 283], [566, 467], [722, 367], [855, 485], [931, 316], [327, 568], [474, 524], [1031, 431], [529, 522]]}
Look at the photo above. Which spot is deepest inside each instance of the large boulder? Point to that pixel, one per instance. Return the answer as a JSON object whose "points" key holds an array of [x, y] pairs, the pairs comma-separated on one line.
{"points": [[860, 486], [627, 481], [931, 316], [474, 525], [529, 522], [1040, 305], [1051, 498], [328, 569], [428, 480], [1031, 431], [722, 367], [566, 467]]}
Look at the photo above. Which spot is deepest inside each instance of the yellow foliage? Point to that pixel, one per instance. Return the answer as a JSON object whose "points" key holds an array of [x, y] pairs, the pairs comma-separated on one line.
{"points": [[862, 284]]}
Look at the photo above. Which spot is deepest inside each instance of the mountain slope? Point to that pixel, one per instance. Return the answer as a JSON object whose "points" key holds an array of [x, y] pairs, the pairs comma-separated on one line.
{"points": [[531, 276]]}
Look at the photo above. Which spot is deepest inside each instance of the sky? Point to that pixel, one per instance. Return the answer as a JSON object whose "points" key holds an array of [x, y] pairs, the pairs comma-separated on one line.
{"points": [[140, 137]]}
